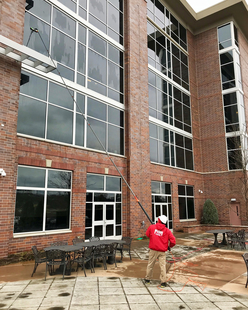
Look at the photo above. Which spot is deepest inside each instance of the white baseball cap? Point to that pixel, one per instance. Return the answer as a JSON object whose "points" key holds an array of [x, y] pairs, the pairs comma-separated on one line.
{"points": [[163, 219]]}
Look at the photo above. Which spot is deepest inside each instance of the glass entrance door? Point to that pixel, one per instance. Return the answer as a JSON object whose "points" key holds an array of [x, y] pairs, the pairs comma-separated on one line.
{"points": [[163, 209], [104, 220]]}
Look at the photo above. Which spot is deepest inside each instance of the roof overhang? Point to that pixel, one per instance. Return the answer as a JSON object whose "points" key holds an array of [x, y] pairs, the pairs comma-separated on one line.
{"points": [[236, 10]]}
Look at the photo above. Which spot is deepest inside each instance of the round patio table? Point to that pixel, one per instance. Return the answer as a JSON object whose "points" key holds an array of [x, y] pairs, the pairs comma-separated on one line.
{"points": [[216, 232]]}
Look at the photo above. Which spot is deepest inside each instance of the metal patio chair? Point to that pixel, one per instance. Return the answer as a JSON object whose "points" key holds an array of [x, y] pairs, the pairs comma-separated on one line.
{"points": [[110, 251], [241, 238], [99, 255], [230, 239], [125, 246], [39, 257], [56, 258], [245, 257], [83, 257]]}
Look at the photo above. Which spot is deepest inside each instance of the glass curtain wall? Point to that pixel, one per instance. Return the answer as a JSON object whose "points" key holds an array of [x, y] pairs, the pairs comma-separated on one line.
{"points": [[168, 83], [86, 39], [233, 101]]}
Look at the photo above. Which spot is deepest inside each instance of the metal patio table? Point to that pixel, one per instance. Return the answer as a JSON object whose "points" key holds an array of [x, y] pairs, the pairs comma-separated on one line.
{"points": [[69, 249], [219, 231]]}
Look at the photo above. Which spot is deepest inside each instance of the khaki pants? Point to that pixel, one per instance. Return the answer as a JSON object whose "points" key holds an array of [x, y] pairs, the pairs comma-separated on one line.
{"points": [[153, 256]]}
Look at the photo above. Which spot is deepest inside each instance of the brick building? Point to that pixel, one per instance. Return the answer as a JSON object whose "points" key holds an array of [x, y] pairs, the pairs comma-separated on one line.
{"points": [[149, 87]]}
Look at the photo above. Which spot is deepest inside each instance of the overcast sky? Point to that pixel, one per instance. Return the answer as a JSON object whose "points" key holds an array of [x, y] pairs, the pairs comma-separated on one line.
{"points": [[199, 5]]}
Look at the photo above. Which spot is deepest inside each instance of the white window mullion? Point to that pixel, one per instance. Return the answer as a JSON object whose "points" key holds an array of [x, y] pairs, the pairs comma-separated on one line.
{"points": [[45, 201]]}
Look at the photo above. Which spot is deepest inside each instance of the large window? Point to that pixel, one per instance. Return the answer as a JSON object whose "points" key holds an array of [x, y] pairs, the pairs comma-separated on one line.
{"points": [[235, 153], [47, 110], [76, 47], [103, 206], [166, 57], [170, 148], [165, 20], [43, 200], [186, 202], [233, 100], [168, 85], [168, 103], [106, 15], [161, 202]]}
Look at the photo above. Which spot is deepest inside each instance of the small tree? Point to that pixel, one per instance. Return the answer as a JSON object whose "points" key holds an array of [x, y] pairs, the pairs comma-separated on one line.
{"points": [[210, 213]]}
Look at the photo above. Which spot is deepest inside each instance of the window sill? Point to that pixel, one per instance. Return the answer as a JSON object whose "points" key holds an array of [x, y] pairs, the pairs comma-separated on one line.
{"points": [[41, 233], [188, 220]]}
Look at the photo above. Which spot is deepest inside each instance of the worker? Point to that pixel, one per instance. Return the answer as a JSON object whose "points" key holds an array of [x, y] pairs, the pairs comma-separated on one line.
{"points": [[161, 238]]}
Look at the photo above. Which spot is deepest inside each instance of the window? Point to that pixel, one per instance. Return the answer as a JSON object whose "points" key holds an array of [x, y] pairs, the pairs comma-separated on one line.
{"points": [[68, 41], [47, 110], [43, 200], [234, 153], [161, 201], [103, 206], [186, 202], [224, 34], [233, 99], [169, 148], [227, 70], [165, 20], [168, 104], [167, 57]]}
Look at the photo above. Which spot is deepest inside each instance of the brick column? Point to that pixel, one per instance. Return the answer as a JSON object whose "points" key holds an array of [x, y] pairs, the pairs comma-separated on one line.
{"points": [[11, 26], [137, 114]]}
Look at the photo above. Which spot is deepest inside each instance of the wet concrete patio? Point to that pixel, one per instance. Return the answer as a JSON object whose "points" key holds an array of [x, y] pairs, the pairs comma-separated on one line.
{"points": [[200, 277]]}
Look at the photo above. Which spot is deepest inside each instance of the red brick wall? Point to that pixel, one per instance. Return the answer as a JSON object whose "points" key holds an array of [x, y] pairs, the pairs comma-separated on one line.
{"points": [[212, 130], [180, 177], [12, 19], [34, 153], [11, 26]]}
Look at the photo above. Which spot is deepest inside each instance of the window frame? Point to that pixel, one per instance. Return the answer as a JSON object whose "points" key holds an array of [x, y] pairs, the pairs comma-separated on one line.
{"points": [[46, 189], [186, 202]]}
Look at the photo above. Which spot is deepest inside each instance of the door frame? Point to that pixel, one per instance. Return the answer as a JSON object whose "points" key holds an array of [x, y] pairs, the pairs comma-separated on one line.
{"points": [[104, 222], [161, 211]]}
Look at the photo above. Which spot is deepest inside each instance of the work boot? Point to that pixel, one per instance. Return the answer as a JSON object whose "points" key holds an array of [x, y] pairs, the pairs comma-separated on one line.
{"points": [[164, 284], [147, 281]]}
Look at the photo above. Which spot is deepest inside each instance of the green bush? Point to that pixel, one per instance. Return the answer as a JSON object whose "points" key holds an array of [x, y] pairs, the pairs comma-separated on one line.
{"points": [[210, 213]]}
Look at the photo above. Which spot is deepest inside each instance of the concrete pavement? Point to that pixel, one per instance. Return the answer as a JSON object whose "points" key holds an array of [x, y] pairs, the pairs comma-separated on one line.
{"points": [[201, 277], [107, 293]]}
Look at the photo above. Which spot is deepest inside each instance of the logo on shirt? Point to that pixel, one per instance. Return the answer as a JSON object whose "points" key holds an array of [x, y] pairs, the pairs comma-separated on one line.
{"points": [[158, 233]]}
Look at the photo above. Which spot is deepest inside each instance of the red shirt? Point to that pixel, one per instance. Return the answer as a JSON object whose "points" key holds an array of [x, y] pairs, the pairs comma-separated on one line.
{"points": [[159, 236]]}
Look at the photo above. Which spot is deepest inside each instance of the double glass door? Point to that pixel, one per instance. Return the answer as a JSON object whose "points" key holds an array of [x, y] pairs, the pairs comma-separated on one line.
{"points": [[104, 220], [163, 209]]}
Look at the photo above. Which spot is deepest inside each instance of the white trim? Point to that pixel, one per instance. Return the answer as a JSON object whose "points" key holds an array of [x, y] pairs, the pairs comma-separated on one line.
{"points": [[76, 87], [170, 127], [189, 220], [41, 233], [165, 77]]}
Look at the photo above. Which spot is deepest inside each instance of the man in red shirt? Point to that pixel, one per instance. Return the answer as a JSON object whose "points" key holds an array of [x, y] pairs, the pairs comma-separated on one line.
{"points": [[160, 238]]}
